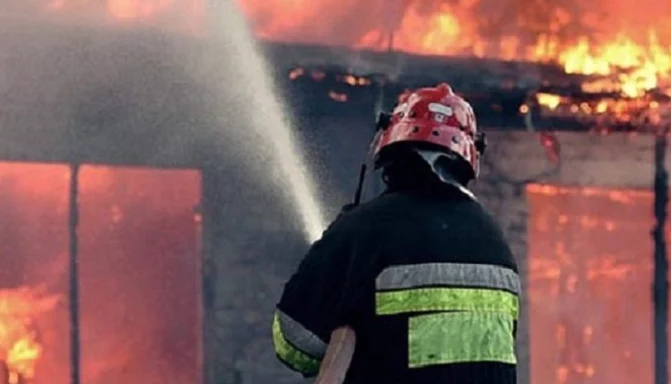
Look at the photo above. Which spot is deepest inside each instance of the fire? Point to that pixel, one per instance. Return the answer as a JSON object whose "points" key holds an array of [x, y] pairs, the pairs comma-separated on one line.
{"points": [[134, 328], [621, 48], [440, 32], [548, 99], [588, 287], [20, 346], [637, 67]]}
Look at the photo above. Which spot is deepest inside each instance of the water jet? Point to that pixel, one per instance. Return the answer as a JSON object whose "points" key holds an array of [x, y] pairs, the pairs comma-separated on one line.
{"points": [[265, 115]]}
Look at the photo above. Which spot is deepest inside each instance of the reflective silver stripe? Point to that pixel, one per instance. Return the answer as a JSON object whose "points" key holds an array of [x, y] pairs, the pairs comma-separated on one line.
{"points": [[467, 275], [301, 338]]}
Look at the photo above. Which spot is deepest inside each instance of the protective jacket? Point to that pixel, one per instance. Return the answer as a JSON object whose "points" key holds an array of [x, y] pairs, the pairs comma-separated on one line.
{"points": [[426, 280]]}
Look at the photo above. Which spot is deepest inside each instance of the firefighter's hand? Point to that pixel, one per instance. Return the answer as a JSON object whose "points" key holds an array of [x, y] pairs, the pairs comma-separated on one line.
{"points": [[338, 356]]}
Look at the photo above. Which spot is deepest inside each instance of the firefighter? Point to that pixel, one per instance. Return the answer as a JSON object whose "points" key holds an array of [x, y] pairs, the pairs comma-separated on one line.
{"points": [[421, 277]]}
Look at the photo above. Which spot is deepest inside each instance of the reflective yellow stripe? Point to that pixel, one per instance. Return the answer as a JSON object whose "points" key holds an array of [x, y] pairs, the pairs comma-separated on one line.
{"points": [[293, 357], [446, 299], [477, 306], [300, 337], [457, 337]]}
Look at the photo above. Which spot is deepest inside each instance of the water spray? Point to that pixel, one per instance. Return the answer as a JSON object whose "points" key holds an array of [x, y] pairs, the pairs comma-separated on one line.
{"points": [[267, 117]]}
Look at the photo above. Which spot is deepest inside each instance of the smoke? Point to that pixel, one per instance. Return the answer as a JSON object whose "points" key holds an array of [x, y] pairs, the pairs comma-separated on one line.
{"points": [[77, 84], [173, 15], [333, 21], [75, 89]]}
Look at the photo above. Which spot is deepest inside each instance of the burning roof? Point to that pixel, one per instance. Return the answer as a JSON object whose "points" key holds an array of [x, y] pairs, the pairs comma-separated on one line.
{"points": [[504, 93], [615, 55], [594, 37]]}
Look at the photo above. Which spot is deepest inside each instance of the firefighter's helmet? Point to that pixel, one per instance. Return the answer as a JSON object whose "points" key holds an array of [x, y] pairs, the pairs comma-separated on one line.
{"points": [[434, 120]]}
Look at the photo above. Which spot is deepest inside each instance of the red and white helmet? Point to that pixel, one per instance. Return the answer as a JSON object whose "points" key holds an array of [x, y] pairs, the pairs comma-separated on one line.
{"points": [[434, 119]]}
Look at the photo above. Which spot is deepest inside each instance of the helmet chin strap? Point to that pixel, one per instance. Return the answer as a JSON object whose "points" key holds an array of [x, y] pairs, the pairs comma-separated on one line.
{"points": [[432, 158]]}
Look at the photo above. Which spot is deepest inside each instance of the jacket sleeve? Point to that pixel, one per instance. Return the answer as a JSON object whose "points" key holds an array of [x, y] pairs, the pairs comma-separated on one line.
{"points": [[312, 303]]}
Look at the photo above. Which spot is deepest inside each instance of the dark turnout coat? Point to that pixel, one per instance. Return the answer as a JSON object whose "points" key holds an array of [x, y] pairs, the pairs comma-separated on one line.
{"points": [[426, 280]]}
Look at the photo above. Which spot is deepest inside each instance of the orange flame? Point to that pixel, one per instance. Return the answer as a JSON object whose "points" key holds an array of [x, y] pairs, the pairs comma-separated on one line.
{"points": [[20, 348], [585, 332], [629, 44]]}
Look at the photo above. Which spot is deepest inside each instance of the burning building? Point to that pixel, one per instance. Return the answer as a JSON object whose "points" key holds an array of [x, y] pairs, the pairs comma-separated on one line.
{"points": [[179, 269], [543, 67]]}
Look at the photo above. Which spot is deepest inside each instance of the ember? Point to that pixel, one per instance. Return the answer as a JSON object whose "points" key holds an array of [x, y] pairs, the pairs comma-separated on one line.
{"points": [[339, 97]]}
